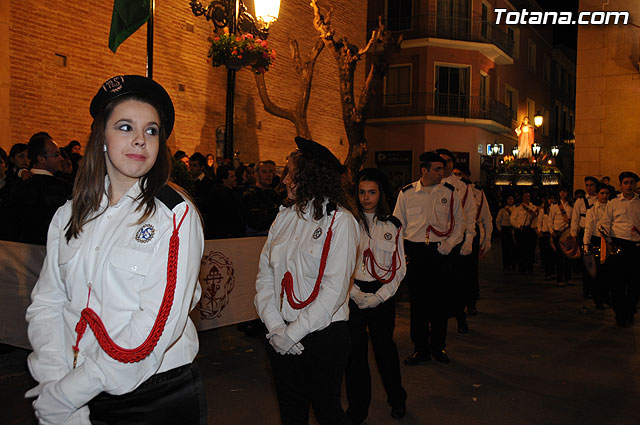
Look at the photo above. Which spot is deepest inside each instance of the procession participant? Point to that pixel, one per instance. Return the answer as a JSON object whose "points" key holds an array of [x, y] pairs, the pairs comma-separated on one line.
{"points": [[592, 243], [482, 240], [381, 268], [461, 265], [433, 224], [503, 224], [547, 255], [523, 220], [580, 208], [621, 222], [123, 258], [303, 285], [560, 217]]}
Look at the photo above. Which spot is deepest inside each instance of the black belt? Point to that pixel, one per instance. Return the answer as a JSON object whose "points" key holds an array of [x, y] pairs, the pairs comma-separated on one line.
{"points": [[161, 377], [368, 287]]}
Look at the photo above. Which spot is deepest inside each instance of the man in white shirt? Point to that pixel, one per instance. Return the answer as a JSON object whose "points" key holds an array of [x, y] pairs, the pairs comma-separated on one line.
{"points": [[560, 218], [433, 224], [578, 216], [621, 222], [523, 220], [504, 226], [592, 243]]}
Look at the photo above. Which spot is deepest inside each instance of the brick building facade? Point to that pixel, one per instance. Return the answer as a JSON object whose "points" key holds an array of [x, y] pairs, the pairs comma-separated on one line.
{"points": [[54, 56]]}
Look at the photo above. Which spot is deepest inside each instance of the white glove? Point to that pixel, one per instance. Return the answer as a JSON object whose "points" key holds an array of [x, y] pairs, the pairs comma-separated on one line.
{"points": [[357, 295], [37, 390], [466, 248], [444, 248], [370, 301], [52, 407], [281, 342]]}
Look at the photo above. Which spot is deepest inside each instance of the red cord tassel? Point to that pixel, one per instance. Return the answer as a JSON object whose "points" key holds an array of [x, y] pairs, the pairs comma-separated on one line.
{"points": [[287, 280], [130, 355]]}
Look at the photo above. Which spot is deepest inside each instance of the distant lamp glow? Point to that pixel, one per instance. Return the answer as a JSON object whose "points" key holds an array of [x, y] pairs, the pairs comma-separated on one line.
{"points": [[538, 119], [550, 162], [515, 151], [555, 150], [535, 148], [267, 11], [495, 149]]}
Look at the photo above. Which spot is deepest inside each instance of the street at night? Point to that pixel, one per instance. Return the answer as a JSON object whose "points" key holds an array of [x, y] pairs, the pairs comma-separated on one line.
{"points": [[536, 354]]}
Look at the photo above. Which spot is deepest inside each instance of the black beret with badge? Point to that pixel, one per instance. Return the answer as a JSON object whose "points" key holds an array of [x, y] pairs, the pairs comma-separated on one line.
{"points": [[146, 88], [628, 174], [319, 152], [431, 156]]}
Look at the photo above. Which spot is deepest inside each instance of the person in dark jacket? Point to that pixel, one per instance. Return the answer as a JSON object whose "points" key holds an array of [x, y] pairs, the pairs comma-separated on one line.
{"points": [[224, 219]]}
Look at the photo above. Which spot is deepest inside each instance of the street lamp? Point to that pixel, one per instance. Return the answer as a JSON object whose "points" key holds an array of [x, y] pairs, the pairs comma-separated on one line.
{"points": [[233, 15], [495, 149], [537, 120], [515, 151], [555, 150]]}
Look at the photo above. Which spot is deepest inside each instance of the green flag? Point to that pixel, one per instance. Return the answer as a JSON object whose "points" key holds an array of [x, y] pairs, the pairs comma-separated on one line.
{"points": [[128, 16]]}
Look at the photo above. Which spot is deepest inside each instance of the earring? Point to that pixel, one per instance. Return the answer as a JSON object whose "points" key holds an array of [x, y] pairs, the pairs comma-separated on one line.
{"points": [[104, 148]]}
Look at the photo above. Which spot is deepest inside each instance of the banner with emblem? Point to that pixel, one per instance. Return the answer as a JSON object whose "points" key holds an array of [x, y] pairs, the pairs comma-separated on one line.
{"points": [[227, 276]]}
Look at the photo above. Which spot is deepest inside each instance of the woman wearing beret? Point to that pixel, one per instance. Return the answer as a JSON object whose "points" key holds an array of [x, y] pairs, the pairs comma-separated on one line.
{"points": [[112, 340], [303, 284], [381, 266]]}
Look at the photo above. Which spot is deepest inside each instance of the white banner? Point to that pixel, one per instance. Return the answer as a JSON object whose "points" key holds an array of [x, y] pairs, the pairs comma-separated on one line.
{"points": [[227, 276]]}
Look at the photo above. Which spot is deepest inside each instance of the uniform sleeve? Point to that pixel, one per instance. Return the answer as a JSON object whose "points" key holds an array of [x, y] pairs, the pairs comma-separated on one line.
{"points": [[100, 372], [606, 221], [400, 211], [266, 299], [486, 219], [589, 225], [388, 290], [553, 211], [334, 288], [44, 315], [469, 209]]}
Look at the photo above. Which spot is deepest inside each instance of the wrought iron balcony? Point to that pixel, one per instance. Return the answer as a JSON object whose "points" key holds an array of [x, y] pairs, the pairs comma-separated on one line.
{"points": [[463, 29], [444, 105]]}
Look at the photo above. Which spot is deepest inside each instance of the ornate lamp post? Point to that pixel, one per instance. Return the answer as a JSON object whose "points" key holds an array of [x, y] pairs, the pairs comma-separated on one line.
{"points": [[233, 15], [555, 150], [515, 151]]}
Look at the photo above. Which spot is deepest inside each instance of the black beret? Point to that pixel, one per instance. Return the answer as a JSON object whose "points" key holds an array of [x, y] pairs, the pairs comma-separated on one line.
{"points": [[144, 87], [319, 152], [591, 178], [373, 174], [626, 174], [431, 156]]}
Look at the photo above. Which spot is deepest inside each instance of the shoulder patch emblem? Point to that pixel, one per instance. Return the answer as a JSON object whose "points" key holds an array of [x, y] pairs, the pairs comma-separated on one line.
{"points": [[145, 233], [317, 233], [388, 236]]}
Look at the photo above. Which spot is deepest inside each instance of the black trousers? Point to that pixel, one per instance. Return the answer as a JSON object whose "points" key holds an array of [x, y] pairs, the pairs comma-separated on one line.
{"points": [[587, 281], [526, 240], [168, 398], [509, 253], [563, 264], [547, 254], [313, 377], [430, 282], [380, 322], [625, 283]]}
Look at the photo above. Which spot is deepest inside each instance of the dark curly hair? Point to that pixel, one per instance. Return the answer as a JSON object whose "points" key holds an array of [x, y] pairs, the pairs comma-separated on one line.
{"points": [[314, 181]]}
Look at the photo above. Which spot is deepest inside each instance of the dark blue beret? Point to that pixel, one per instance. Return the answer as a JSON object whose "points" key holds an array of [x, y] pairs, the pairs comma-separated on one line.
{"points": [[319, 152]]}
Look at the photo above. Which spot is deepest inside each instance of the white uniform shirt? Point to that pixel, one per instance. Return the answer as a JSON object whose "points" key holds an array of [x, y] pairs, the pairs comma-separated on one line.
{"points": [[418, 207], [504, 217], [621, 216], [579, 213], [559, 221], [295, 245], [464, 192], [544, 221], [524, 216], [594, 214], [381, 239], [128, 276], [482, 215]]}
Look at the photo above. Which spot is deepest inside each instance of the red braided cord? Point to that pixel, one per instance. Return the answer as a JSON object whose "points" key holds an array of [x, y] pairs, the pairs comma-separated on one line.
{"points": [[287, 280], [452, 223], [371, 264], [131, 355]]}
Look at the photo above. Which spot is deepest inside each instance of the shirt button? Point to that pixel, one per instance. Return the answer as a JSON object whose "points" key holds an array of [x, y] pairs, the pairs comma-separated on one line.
{"points": [[97, 248], [109, 217], [134, 268]]}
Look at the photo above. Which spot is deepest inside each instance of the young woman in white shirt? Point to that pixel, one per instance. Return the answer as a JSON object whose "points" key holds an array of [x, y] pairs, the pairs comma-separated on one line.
{"points": [[109, 327], [302, 287], [381, 266]]}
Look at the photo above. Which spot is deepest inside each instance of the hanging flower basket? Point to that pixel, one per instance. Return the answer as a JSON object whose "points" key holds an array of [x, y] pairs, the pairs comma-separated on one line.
{"points": [[236, 52]]}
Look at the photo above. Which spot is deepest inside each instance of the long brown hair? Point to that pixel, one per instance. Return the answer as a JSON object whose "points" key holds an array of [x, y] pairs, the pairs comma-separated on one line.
{"points": [[89, 185], [314, 182]]}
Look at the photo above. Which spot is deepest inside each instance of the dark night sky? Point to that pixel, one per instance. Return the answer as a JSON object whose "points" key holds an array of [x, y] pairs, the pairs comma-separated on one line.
{"points": [[563, 34]]}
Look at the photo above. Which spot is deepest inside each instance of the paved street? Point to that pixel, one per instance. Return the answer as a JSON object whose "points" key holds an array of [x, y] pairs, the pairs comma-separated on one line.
{"points": [[536, 354]]}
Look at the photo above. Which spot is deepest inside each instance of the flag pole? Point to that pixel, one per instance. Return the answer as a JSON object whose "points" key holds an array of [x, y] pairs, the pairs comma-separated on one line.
{"points": [[152, 9]]}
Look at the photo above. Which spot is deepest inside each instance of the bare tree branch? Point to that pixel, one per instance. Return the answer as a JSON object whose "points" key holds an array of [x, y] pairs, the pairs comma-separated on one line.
{"points": [[269, 106], [295, 54]]}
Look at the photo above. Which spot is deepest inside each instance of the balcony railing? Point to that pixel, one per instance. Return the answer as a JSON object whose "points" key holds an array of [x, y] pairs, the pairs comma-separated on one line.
{"points": [[463, 29], [445, 105]]}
